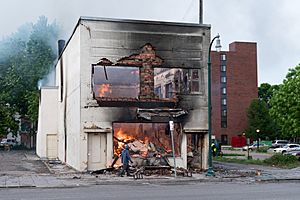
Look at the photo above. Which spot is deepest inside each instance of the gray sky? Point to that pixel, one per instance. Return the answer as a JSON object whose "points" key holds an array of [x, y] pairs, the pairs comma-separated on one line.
{"points": [[273, 24]]}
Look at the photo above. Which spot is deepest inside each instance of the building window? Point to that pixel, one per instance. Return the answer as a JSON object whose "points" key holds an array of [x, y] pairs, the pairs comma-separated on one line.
{"points": [[223, 79], [115, 82], [223, 57], [223, 124], [195, 81], [223, 68], [169, 90], [184, 81], [224, 113], [224, 139], [158, 92], [224, 101], [223, 90]]}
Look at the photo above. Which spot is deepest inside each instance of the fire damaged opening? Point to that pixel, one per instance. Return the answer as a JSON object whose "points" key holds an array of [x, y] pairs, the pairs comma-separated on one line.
{"points": [[195, 148], [116, 82], [113, 85], [150, 143]]}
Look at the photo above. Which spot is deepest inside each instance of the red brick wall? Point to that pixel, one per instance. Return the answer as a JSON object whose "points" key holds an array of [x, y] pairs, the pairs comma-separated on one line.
{"points": [[241, 73]]}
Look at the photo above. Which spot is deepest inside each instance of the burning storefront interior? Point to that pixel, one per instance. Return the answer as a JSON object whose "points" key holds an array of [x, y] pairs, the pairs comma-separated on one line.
{"points": [[149, 143], [150, 146], [122, 82]]}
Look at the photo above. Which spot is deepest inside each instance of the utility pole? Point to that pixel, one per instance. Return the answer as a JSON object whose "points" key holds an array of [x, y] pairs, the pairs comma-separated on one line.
{"points": [[200, 11]]}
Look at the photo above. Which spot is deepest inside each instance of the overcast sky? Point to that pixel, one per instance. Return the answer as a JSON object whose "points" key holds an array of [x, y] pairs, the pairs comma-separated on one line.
{"points": [[273, 24]]}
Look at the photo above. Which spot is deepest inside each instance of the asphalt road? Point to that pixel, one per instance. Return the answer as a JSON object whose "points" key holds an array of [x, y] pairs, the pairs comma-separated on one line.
{"points": [[202, 191]]}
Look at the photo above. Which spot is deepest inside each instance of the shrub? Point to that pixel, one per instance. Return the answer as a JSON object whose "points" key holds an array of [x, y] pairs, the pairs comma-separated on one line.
{"points": [[262, 149], [285, 161], [232, 154]]}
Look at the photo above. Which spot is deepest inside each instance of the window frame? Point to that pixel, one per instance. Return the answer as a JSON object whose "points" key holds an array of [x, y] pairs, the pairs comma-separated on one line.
{"points": [[194, 80], [223, 90], [224, 113], [223, 68], [223, 79], [224, 101], [223, 57]]}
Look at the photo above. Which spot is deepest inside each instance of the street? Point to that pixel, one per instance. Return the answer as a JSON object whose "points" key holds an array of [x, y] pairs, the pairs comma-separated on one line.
{"points": [[203, 191]]}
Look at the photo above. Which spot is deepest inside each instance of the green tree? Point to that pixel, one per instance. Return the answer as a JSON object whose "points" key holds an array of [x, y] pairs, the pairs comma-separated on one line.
{"points": [[32, 99], [8, 122], [259, 118], [265, 92], [25, 58], [285, 104]]}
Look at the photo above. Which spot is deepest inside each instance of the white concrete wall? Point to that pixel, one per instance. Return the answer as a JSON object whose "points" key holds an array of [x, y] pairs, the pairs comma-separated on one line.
{"points": [[205, 150], [47, 122], [81, 108], [91, 115], [69, 107]]}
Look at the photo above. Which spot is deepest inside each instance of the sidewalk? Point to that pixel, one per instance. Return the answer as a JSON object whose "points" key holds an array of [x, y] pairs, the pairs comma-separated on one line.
{"points": [[23, 169], [58, 175], [260, 173]]}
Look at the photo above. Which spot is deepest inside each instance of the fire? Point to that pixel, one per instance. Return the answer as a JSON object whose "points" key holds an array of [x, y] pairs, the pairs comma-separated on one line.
{"points": [[104, 89], [121, 139], [144, 140], [141, 147]]}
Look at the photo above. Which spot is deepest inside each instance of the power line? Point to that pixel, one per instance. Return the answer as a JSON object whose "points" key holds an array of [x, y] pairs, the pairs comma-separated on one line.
{"points": [[188, 10]]}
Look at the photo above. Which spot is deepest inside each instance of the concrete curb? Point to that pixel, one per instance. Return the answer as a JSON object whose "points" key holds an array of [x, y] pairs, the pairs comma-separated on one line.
{"points": [[278, 180], [18, 186], [133, 182]]}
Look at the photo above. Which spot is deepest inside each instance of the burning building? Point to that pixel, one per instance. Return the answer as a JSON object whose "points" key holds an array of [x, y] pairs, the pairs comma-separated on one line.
{"points": [[113, 88]]}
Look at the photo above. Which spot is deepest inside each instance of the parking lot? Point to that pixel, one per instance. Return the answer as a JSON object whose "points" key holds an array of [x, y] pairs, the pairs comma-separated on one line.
{"points": [[21, 162]]}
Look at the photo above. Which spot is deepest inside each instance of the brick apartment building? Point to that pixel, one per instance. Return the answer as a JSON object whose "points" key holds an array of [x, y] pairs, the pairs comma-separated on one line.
{"points": [[234, 86]]}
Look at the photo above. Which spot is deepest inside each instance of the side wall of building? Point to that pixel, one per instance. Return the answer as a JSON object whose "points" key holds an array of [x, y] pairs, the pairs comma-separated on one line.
{"points": [[68, 69], [47, 122]]}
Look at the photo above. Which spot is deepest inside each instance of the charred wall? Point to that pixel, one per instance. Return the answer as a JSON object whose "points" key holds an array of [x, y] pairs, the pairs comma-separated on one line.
{"points": [[179, 45]]}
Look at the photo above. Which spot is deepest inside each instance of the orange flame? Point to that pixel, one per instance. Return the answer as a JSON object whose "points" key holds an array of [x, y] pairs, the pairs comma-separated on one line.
{"points": [[139, 147], [104, 89], [122, 139]]}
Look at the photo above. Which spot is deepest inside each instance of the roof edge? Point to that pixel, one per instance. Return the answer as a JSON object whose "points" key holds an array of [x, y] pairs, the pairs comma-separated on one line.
{"points": [[143, 21], [85, 18]]}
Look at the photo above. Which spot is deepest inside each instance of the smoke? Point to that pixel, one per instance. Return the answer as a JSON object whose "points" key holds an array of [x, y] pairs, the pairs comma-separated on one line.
{"points": [[273, 24], [48, 80]]}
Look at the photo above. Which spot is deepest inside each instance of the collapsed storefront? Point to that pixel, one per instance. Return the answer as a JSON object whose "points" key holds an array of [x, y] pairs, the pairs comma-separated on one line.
{"points": [[121, 82], [151, 145]]}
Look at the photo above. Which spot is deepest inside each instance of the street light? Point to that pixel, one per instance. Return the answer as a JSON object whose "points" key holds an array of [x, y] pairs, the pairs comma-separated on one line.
{"points": [[257, 131], [210, 171]]}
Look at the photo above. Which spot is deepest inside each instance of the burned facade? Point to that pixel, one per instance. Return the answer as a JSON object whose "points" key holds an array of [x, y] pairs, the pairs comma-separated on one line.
{"points": [[114, 88]]}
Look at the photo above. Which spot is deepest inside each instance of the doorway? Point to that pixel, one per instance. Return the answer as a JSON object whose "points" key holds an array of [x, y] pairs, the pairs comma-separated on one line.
{"points": [[96, 151], [51, 146]]}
